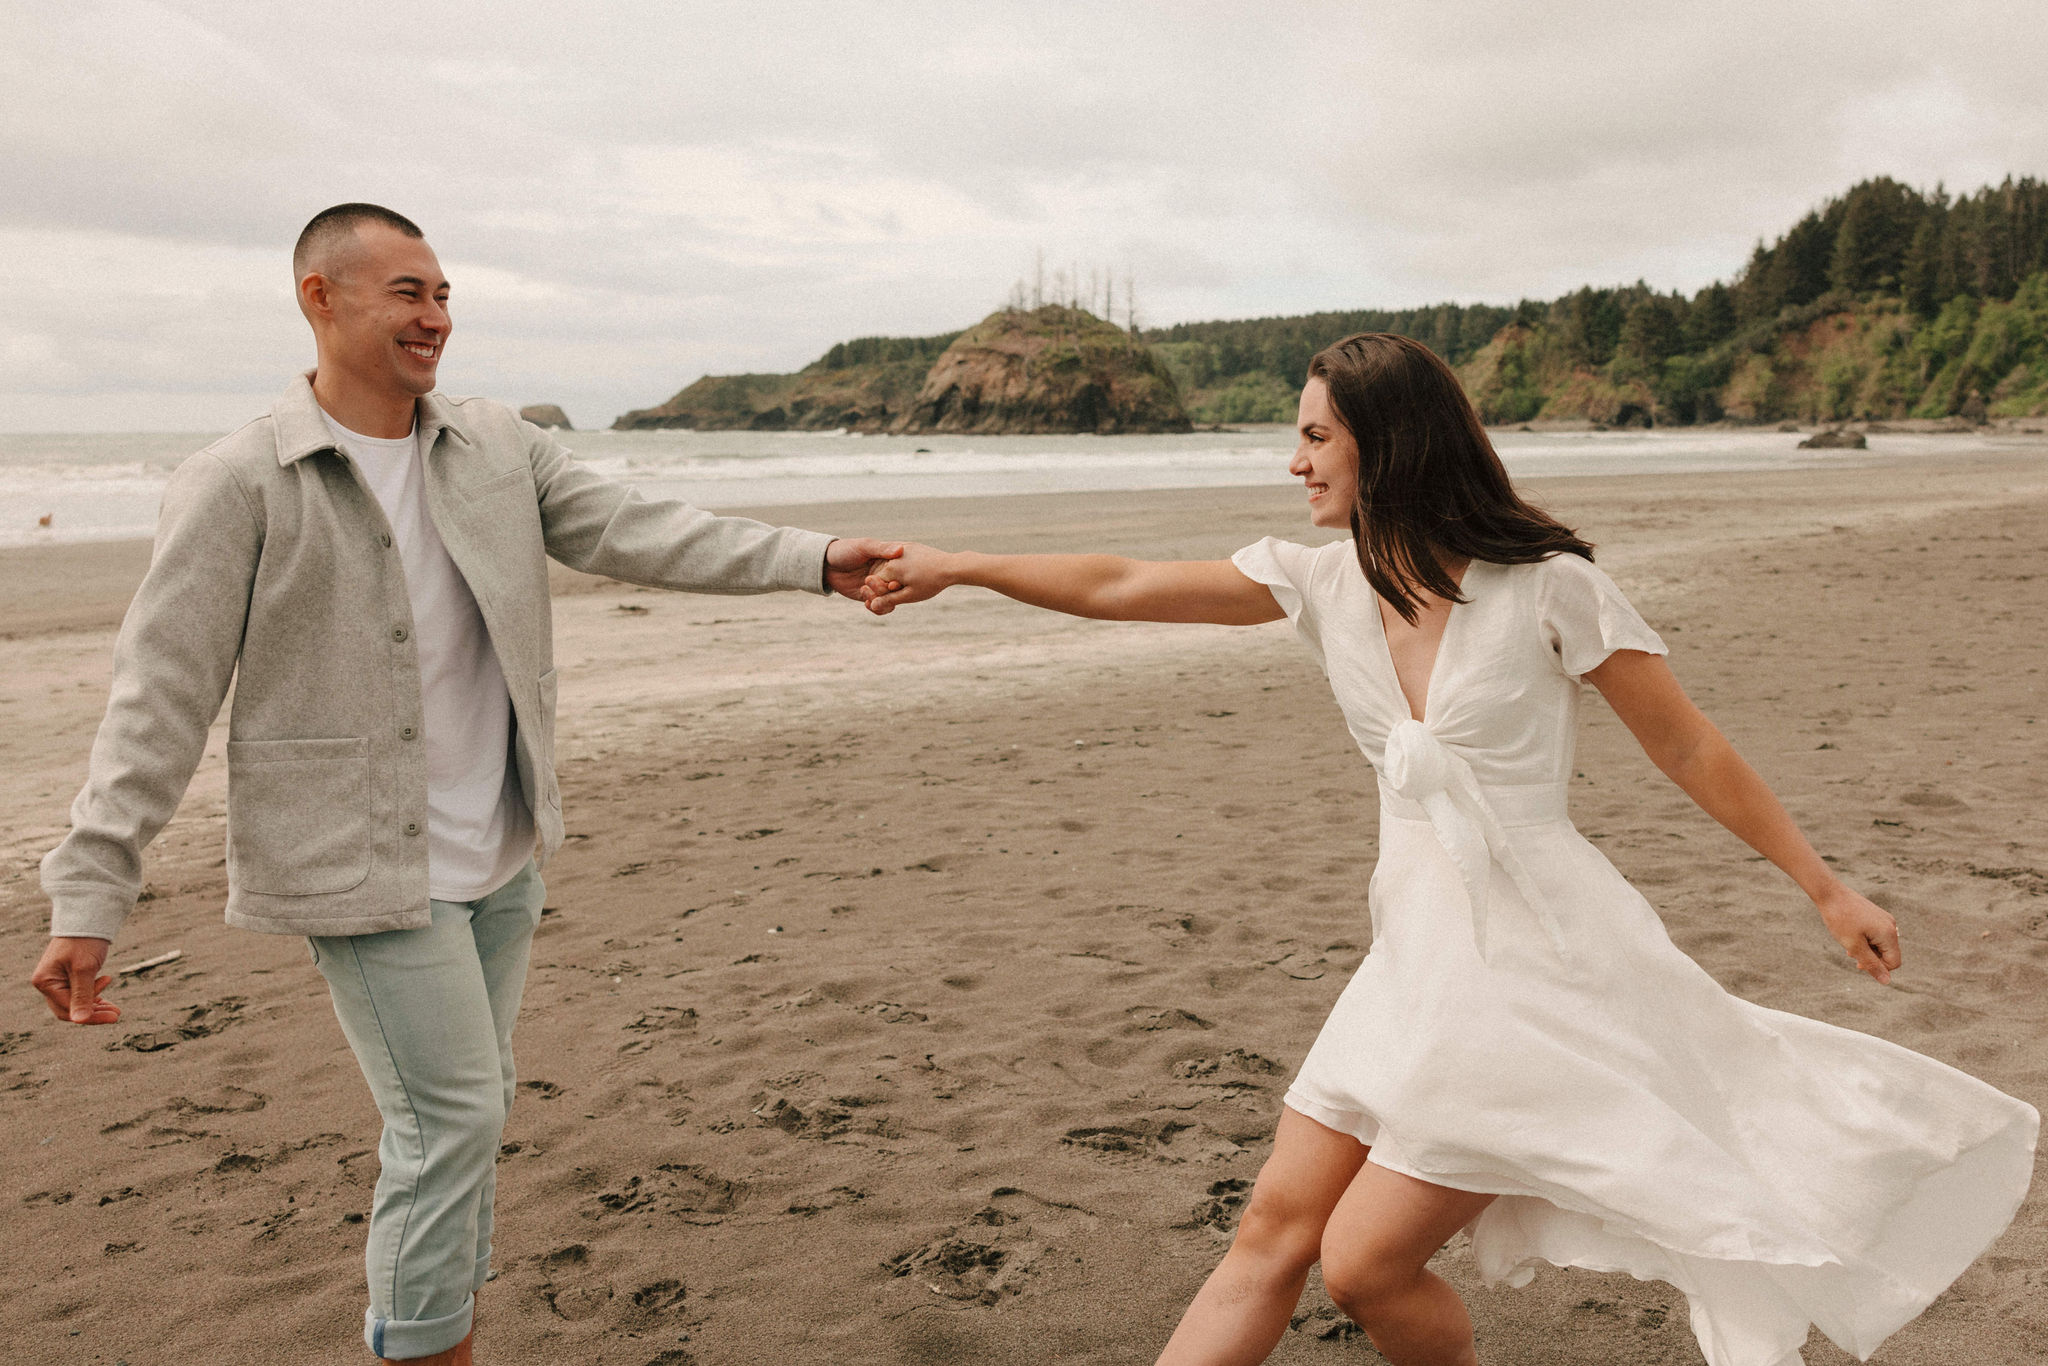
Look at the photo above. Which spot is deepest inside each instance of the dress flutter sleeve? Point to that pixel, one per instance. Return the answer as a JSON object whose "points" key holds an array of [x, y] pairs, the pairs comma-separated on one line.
{"points": [[1585, 617], [1293, 573]]}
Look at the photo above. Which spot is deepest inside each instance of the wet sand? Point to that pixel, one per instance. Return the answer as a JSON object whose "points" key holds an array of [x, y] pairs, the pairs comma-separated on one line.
{"points": [[923, 989]]}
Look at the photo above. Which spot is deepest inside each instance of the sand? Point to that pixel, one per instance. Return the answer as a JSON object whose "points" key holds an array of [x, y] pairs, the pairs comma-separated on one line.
{"points": [[923, 990]]}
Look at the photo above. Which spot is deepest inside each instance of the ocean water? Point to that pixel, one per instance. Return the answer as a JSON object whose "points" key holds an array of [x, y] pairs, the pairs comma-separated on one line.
{"points": [[107, 487]]}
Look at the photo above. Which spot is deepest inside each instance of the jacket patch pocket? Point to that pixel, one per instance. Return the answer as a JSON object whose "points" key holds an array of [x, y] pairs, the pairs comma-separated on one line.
{"points": [[298, 815]]}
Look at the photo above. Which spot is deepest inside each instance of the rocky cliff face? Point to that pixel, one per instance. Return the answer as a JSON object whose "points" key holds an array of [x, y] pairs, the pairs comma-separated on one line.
{"points": [[546, 415], [1053, 369]]}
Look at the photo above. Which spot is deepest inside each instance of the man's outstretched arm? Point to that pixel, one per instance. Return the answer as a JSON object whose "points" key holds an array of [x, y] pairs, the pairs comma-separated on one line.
{"points": [[601, 526], [172, 663]]}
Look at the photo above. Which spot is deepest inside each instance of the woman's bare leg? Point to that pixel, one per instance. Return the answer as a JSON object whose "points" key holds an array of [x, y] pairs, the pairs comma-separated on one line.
{"points": [[1376, 1246], [1244, 1306]]}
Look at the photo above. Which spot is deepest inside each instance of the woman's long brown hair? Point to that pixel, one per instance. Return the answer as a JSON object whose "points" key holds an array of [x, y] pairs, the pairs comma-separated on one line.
{"points": [[1430, 486]]}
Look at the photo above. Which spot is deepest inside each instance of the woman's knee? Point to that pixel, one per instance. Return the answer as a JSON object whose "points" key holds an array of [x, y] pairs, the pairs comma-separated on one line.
{"points": [[1276, 1229], [1361, 1279]]}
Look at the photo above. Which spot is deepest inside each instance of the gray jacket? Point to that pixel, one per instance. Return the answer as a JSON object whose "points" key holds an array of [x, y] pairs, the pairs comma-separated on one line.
{"points": [[274, 566]]}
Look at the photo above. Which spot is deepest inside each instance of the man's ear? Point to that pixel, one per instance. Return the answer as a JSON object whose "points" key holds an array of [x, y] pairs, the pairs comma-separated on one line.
{"points": [[316, 293]]}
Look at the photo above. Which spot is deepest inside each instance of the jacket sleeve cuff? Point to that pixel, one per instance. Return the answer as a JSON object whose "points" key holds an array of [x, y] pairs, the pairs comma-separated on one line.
{"points": [[87, 912], [800, 562]]}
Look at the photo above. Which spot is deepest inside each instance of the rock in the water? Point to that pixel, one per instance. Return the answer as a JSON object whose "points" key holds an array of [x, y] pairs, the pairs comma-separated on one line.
{"points": [[1052, 369], [1835, 439], [546, 415]]}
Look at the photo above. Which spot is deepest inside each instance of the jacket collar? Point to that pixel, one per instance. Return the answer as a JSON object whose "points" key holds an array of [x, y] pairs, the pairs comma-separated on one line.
{"points": [[302, 429]]}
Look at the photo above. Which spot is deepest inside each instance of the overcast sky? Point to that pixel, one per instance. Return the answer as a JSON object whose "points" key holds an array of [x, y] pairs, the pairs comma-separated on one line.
{"points": [[629, 195]]}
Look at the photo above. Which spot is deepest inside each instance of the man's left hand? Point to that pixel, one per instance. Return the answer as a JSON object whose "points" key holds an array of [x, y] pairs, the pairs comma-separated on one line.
{"points": [[849, 559]]}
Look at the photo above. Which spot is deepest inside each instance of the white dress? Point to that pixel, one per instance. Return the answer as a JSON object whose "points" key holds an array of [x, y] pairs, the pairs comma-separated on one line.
{"points": [[1524, 1026]]}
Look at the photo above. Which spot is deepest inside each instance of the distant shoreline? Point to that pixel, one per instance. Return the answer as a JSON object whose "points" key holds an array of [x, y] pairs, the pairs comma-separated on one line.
{"points": [[62, 586]]}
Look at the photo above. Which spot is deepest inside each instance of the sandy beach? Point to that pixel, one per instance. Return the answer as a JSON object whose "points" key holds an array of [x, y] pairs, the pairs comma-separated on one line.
{"points": [[923, 989]]}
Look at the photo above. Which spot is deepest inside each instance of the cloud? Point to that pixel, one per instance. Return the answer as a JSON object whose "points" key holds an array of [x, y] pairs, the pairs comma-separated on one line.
{"points": [[637, 194]]}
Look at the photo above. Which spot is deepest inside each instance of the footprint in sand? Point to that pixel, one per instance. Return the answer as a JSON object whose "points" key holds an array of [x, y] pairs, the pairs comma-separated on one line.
{"points": [[967, 1269], [837, 1198], [1219, 1213], [222, 1100], [685, 1191], [208, 1018], [1235, 1060], [658, 1020], [1148, 1018], [1325, 1325], [542, 1090], [820, 1121], [571, 1286], [995, 1253], [1159, 1139]]}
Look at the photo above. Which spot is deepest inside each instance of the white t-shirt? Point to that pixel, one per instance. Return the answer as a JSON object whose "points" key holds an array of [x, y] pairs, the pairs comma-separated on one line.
{"points": [[479, 830]]}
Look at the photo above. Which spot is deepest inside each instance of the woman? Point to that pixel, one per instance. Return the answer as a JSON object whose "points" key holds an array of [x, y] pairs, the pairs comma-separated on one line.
{"points": [[1524, 1052]]}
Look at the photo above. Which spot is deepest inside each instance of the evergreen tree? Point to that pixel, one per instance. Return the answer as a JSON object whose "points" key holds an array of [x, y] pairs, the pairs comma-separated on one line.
{"points": [[1711, 319], [1877, 222], [1652, 332], [1919, 274]]}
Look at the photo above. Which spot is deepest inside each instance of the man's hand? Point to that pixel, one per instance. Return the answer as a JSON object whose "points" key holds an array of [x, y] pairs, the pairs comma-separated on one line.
{"points": [[912, 574], [849, 559], [69, 978]]}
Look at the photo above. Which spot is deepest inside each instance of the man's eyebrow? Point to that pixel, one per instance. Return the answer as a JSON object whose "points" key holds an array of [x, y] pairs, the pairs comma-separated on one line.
{"points": [[413, 280]]}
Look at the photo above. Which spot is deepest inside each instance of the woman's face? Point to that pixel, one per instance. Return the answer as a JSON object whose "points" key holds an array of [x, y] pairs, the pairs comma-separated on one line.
{"points": [[1326, 458]]}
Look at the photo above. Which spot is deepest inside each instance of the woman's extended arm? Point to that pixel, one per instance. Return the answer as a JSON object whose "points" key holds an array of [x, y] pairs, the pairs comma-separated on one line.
{"points": [[1694, 754], [1105, 586]]}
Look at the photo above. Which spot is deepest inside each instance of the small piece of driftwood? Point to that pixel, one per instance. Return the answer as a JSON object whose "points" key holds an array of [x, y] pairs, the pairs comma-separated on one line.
{"points": [[146, 964]]}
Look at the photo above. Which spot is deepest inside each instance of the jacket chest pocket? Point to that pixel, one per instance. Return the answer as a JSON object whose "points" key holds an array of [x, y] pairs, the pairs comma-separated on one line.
{"points": [[298, 815]]}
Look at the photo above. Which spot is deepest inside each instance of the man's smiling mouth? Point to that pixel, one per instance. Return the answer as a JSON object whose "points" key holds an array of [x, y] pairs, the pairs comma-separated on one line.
{"points": [[424, 350]]}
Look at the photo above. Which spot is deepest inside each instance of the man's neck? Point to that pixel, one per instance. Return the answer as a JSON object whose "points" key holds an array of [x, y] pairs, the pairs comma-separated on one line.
{"points": [[370, 413]]}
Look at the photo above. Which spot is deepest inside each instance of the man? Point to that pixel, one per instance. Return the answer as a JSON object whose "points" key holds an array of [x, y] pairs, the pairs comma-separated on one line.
{"points": [[369, 562]]}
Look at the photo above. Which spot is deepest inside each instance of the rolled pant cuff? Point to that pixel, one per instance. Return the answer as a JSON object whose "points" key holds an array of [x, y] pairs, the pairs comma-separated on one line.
{"points": [[400, 1339], [481, 1274]]}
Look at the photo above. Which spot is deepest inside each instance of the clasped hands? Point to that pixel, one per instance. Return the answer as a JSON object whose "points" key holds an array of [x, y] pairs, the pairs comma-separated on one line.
{"points": [[884, 574], [911, 573]]}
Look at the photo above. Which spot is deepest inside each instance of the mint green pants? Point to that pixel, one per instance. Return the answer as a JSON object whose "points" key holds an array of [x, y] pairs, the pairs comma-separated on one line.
{"points": [[429, 1013]]}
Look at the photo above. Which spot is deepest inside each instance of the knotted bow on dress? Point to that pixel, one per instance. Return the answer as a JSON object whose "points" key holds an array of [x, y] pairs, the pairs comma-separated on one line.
{"points": [[1425, 771]]}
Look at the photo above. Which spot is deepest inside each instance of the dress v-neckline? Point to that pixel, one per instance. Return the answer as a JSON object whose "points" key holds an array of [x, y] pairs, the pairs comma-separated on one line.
{"points": [[1379, 616]]}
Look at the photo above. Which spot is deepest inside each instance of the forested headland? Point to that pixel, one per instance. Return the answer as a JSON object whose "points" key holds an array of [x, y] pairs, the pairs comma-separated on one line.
{"points": [[1886, 302], [1019, 371]]}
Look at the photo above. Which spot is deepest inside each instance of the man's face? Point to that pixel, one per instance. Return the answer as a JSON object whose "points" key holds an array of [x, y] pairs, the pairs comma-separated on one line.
{"points": [[387, 312]]}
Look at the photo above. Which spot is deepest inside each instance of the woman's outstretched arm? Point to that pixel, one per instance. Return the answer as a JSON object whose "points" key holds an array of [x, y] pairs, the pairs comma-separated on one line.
{"points": [[1694, 754], [1109, 587]]}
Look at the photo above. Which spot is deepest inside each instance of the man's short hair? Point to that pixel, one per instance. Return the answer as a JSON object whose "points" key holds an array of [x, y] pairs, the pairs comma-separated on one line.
{"points": [[329, 227]]}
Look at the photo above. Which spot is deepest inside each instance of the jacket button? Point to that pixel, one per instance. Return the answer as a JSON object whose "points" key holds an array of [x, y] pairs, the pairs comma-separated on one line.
{"points": [[385, 539], [412, 827], [398, 633], [406, 732]]}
